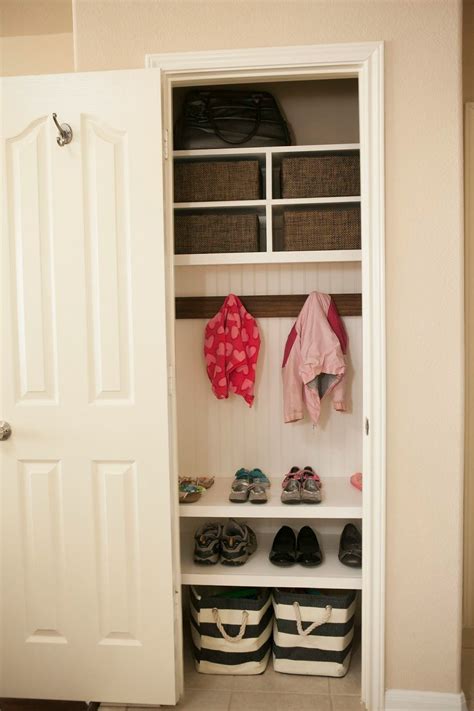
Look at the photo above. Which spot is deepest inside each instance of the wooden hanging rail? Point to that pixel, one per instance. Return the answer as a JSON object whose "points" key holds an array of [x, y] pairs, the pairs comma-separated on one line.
{"points": [[263, 306]]}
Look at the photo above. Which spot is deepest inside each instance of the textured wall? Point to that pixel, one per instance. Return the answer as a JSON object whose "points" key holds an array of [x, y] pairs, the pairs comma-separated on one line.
{"points": [[35, 17], [424, 269], [36, 54], [36, 37]]}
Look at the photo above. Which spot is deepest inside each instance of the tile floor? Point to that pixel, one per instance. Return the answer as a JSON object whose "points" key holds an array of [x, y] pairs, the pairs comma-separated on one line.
{"points": [[266, 692]]}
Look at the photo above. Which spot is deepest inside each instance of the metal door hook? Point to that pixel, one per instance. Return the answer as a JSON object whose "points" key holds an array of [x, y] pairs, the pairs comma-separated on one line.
{"points": [[65, 132]]}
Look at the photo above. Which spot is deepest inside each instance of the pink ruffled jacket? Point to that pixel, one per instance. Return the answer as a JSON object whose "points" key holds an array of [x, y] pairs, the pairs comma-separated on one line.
{"points": [[314, 364]]}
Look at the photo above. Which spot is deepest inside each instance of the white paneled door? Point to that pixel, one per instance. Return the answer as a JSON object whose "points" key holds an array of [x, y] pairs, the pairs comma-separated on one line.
{"points": [[87, 594]]}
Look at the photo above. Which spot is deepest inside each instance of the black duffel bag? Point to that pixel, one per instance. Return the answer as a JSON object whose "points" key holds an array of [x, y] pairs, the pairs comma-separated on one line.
{"points": [[218, 118]]}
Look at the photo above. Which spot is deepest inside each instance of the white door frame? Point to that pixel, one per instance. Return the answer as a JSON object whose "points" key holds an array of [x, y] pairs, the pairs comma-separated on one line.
{"points": [[365, 62]]}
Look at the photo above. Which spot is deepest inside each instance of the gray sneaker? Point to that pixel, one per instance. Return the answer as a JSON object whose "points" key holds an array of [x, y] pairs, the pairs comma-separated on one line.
{"points": [[207, 544], [238, 542], [310, 487], [291, 485]]}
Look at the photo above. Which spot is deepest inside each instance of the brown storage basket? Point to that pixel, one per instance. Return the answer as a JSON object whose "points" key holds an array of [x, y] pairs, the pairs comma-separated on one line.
{"points": [[217, 180], [203, 234], [324, 227], [320, 176]]}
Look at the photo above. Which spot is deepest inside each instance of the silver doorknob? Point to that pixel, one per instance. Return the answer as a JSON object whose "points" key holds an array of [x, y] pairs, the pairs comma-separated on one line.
{"points": [[5, 430]]}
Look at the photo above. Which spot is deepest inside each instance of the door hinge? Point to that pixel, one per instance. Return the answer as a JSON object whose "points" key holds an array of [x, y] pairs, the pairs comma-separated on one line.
{"points": [[166, 143], [367, 426]]}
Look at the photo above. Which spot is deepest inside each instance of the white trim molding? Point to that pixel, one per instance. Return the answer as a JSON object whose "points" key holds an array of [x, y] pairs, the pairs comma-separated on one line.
{"points": [[405, 700], [468, 591], [363, 61]]}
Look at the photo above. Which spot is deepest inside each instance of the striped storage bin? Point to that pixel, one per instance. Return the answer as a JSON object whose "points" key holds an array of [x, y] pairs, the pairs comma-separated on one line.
{"points": [[231, 635], [313, 631]]}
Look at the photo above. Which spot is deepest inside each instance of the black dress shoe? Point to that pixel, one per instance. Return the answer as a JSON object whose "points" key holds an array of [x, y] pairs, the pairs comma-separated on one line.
{"points": [[283, 552], [350, 546], [308, 552]]}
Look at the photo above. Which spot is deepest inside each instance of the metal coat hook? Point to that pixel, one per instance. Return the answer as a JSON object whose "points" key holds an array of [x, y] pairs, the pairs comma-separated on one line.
{"points": [[65, 132]]}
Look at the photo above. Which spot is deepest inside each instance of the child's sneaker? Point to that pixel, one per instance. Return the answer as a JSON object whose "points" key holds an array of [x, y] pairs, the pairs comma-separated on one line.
{"points": [[310, 487], [207, 544], [238, 542]]}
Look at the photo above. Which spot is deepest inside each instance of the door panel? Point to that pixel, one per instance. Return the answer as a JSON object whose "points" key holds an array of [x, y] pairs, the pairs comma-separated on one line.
{"points": [[88, 570]]}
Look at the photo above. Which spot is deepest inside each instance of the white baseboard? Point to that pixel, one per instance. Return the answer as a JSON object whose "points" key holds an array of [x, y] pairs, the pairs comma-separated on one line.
{"points": [[404, 700]]}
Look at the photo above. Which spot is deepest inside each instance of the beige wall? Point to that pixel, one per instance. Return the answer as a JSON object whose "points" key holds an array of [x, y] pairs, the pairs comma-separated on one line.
{"points": [[36, 37], [424, 269]]}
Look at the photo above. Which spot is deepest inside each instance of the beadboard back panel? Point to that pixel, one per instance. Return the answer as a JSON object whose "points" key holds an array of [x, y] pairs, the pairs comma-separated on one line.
{"points": [[219, 436]]}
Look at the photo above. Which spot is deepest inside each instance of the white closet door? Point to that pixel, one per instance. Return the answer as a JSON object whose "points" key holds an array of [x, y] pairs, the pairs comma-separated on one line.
{"points": [[87, 565]]}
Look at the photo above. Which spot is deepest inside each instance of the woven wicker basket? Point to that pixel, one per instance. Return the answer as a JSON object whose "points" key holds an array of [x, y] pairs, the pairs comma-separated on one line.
{"points": [[203, 234], [320, 176], [217, 180], [325, 227]]}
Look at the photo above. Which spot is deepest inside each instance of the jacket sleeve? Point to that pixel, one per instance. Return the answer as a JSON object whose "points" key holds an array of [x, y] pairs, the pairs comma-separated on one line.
{"points": [[335, 321], [292, 381]]}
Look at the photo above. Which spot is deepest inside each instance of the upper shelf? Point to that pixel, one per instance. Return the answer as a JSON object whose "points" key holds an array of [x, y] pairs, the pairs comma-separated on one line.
{"points": [[327, 255], [212, 152], [262, 203]]}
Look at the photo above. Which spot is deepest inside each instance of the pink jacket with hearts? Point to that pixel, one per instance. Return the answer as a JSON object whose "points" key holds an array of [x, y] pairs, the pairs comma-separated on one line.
{"points": [[231, 347], [313, 363]]}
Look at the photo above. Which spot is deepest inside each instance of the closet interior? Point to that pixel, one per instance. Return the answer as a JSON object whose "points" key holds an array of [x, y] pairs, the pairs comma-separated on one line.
{"points": [[273, 272]]}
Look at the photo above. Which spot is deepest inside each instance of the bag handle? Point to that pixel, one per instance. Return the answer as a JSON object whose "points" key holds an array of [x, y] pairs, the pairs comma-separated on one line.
{"points": [[258, 119], [220, 626], [308, 630]]}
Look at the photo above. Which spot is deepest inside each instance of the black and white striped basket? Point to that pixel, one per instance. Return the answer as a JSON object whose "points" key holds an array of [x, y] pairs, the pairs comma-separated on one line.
{"points": [[230, 635], [313, 632]]}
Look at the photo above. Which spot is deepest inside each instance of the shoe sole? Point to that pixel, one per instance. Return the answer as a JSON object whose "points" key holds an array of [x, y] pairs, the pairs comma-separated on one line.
{"points": [[310, 565], [282, 565]]}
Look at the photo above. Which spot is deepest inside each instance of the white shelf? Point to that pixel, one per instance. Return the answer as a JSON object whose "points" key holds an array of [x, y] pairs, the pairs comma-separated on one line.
{"points": [[263, 203], [329, 255], [219, 204], [314, 200], [209, 153], [258, 571], [340, 501]]}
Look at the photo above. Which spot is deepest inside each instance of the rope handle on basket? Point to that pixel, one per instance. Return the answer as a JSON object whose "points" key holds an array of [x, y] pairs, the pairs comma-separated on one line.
{"points": [[313, 625], [220, 626]]}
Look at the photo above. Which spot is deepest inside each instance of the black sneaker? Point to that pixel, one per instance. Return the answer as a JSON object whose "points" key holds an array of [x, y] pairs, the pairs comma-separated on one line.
{"points": [[207, 544], [238, 542]]}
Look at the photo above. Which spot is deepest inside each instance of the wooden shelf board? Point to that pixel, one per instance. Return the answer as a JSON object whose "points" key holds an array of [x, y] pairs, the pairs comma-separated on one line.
{"points": [[340, 501], [322, 256], [268, 306], [258, 571]]}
